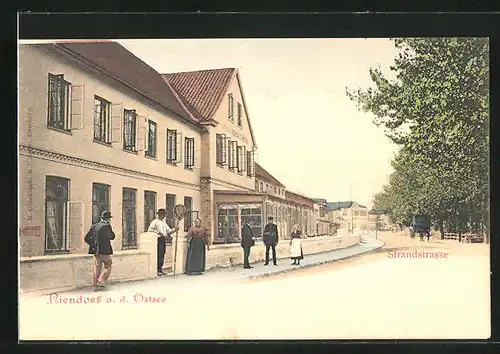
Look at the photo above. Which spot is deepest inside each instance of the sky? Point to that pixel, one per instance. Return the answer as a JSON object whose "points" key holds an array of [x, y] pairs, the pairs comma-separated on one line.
{"points": [[310, 136]]}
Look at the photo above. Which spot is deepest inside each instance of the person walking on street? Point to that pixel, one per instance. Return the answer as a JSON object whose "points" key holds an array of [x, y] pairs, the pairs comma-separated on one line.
{"points": [[296, 253], [247, 242], [270, 239], [159, 226], [99, 240]]}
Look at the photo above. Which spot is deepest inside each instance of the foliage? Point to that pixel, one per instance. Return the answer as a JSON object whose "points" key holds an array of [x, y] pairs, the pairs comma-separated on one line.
{"points": [[437, 109]]}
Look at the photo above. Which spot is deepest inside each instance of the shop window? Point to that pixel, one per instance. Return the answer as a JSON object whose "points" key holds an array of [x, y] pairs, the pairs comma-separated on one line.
{"points": [[100, 200], [188, 218], [252, 213], [169, 206], [56, 214], [149, 208], [129, 218], [228, 226]]}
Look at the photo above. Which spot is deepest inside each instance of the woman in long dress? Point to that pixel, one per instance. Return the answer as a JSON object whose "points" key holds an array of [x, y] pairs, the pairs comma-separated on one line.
{"points": [[296, 253], [197, 240]]}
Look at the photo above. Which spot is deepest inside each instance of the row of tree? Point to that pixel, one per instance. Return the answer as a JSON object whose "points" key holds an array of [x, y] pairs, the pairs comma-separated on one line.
{"points": [[436, 108]]}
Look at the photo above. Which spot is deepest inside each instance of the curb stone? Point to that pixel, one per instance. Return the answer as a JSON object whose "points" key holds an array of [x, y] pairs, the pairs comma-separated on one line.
{"points": [[265, 275]]}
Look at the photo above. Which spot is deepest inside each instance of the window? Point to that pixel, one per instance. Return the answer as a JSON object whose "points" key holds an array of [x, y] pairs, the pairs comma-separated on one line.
{"points": [[102, 120], [239, 114], [241, 159], [129, 224], [221, 149], [149, 208], [231, 108], [174, 148], [252, 213], [188, 218], [59, 102], [275, 190], [228, 223], [233, 162], [129, 130], [189, 151], [152, 134], [100, 200], [56, 214], [170, 204], [261, 186]]}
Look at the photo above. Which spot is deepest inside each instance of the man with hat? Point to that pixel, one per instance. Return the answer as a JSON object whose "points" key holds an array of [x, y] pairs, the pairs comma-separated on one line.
{"points": [[99, 240], [160, 227], [270, 239]]}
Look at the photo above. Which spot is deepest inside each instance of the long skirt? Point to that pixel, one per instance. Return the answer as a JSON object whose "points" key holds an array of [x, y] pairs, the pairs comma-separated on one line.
{"points": [[296, 250], [195, 262]]}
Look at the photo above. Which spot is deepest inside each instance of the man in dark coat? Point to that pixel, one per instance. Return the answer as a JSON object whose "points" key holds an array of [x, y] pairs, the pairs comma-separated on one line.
{"points": [[270, 239], [246, 242], [99, 240]]}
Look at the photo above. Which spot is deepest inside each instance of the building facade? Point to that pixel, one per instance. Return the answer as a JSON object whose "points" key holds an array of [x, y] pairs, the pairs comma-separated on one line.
{"points": [[216, 99], [99, 130]]}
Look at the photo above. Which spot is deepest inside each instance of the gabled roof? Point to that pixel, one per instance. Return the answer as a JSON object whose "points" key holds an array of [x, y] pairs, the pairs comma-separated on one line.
{"points": [[261, 173], [201, 91], [338, 205], [341, 205], [113, 59]]}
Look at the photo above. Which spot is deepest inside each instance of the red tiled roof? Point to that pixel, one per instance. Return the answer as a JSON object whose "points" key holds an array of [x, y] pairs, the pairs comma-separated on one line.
{"points": [[201, 91], [113, 59], [261, 173]]}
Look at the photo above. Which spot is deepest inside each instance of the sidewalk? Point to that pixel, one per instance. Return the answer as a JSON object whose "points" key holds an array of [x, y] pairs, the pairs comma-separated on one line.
{"points": [[222, 276]]}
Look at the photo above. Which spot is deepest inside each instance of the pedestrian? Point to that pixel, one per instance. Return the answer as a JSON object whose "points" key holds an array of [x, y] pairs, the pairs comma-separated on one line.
{"points": [[197, 240], [296, 253], [160, 227], [270, 239], [247, 242], [99, 240]]}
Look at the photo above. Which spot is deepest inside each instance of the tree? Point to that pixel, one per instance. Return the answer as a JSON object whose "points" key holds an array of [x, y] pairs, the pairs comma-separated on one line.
{"points": [[437, 110]]}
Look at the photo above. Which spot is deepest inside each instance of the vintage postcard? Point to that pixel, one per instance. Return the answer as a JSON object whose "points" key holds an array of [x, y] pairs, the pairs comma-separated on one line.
{"points": [[251, 189]]}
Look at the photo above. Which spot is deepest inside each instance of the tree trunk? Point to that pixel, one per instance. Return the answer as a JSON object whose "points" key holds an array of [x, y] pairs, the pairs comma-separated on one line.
{"points": [[441, 229]]}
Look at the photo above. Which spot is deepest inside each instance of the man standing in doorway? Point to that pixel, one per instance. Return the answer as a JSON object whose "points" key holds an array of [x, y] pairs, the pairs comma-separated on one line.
{"points": [[159, 226], [247, 242], [99, 240], [270, 239]]}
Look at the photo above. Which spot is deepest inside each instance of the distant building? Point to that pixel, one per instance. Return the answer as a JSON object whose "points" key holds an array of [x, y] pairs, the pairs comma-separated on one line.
{"points": [[323, 225], [350, 216]]}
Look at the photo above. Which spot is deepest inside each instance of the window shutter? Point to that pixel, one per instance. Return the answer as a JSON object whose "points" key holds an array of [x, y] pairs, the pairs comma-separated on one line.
{"points": [[75, 224], [234, 154], [225, 149], [243, 156], [142, 133], [116, 122], [192, 152], [179, 147], [77, 104], [250, 164]]}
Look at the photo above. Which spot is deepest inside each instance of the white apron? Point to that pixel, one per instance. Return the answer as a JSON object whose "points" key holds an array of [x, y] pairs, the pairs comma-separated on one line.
{"points": [[296, 248]]}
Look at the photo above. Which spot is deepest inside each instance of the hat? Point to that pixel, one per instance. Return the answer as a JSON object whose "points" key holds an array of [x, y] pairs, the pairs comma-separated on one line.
{"points": [[161, 211], [106, 215]]}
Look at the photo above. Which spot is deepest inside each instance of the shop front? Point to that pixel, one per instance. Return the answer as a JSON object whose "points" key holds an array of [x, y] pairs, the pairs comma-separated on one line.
{"points": [[231, 209]]}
